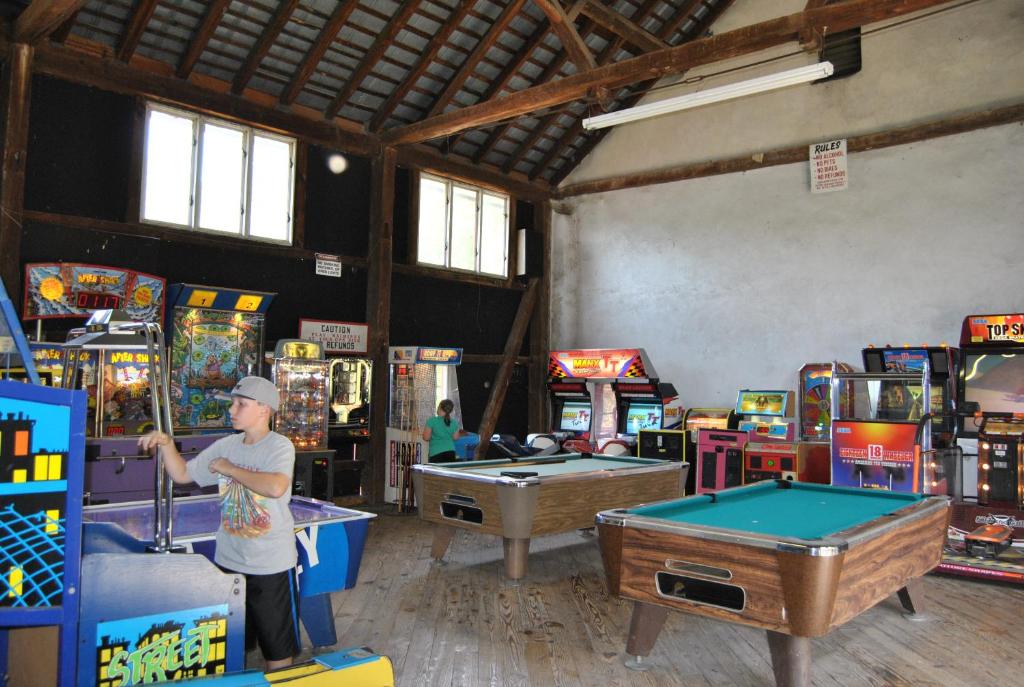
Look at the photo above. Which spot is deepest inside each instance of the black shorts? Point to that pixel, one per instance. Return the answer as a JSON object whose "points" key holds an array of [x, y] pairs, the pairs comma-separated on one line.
{"points": [[442, 457], [272, 615]]}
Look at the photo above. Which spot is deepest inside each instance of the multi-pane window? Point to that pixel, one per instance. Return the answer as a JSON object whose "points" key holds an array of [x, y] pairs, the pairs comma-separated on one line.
{"points": [[462, 227], [216, 176]]}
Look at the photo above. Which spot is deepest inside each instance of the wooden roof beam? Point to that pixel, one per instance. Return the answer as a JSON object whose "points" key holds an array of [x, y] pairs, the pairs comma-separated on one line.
{"points": [[262, 46], [385, 110], [316, 51], [741, 41], [377, 50], [42, 18], [129, 41], [633, 34], [563, 27], [214, 12], [469, 66], [596, 137]]}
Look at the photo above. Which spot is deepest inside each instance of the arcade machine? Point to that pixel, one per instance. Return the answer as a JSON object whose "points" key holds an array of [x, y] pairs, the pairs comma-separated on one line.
{"points": [[572, 412], [878, 446], [990, 389], [41, 457], [943, 362], [590, 375], [419, 378], [215, 339], [768, 454], [300, 373], [639, 406], [720, 452], [815, 389]]}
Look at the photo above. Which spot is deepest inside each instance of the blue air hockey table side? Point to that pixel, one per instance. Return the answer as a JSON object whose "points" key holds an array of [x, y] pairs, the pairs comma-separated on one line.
{"points": [[329, 540]]}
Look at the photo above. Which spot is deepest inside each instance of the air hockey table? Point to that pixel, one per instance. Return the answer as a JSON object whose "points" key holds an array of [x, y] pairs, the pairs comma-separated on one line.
{"points": [[329, 540]]}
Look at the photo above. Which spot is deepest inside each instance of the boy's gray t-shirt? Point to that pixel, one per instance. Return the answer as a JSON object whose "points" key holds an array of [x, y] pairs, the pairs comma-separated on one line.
{"points": [[257, 533]]}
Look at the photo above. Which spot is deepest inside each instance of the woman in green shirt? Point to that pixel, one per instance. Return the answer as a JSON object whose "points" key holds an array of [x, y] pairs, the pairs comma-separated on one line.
{"points": [[442, 432]]}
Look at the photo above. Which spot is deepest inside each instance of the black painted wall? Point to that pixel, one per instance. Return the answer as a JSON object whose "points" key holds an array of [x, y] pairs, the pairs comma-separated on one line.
{"points": [[79, 162]]}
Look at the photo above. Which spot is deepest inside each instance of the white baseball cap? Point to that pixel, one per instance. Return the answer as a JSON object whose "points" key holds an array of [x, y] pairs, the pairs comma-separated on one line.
{"points": [[258, 389]]}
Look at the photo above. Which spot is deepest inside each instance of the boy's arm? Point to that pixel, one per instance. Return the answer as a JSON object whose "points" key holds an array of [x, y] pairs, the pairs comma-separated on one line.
{"points": [[174, 464], [271, 484]]}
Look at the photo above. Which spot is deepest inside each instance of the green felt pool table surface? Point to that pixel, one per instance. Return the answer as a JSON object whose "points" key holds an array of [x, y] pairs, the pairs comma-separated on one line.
{"points": [[795, 509]]}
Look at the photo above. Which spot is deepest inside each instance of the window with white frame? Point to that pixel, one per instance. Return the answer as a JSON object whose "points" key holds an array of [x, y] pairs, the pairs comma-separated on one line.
{"points": [[216, 176], [462, 227]]}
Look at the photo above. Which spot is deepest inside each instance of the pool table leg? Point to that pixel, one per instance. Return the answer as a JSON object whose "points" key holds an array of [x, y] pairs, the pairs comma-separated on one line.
{"points": [[644, 627], [791, 659], [912, 598], [442, 538], [516, 553]]}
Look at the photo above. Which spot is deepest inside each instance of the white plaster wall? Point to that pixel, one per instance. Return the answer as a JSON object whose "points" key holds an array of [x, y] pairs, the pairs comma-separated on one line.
{"points": [[735, 281], [960, 60]]}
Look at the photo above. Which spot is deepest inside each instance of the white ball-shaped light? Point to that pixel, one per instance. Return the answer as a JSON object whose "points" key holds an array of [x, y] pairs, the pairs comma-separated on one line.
{"points": [[337, 163]]}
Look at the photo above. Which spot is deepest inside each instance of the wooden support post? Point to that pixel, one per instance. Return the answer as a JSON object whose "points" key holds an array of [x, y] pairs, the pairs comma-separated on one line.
{"points": [[17, 87], [538, 414], [500, 386], [378, 314]]}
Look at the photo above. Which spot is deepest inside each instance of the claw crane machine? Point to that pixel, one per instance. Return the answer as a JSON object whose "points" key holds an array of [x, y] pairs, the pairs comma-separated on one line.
{"points": [[419, 378], [300, 373]]}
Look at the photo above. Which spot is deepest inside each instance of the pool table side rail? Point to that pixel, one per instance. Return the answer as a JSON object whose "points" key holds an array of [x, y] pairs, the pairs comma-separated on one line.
{"points": [[781, 590], [439, 470], [557, 505], [825, 546]]}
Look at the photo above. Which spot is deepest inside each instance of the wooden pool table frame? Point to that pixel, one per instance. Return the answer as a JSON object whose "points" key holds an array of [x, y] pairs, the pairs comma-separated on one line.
{"points": [[517, 509], [794, 589]]}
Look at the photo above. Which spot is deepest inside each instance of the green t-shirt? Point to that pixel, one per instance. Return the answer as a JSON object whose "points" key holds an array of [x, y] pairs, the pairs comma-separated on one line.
{"points": [[442, 436]]}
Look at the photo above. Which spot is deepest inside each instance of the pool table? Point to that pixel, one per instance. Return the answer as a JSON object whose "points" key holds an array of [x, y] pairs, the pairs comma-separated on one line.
{"points": [[795, 559], [520, 499]]}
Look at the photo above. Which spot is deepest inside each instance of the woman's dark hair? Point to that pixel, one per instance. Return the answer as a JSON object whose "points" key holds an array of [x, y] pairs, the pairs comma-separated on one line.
{"points": [[446, 407]]}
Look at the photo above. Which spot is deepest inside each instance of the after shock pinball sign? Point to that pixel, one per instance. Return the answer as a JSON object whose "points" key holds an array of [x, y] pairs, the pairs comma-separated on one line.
{"points": [[70, 289]]}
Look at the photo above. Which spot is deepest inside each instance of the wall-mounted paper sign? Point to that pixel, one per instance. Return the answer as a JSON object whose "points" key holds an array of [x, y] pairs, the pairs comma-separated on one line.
{"points": [[828, 166], [328, 265], [336, 337]]}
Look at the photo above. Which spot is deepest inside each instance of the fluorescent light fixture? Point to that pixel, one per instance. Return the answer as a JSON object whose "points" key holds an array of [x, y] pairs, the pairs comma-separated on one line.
{"points": [[712, 95]]}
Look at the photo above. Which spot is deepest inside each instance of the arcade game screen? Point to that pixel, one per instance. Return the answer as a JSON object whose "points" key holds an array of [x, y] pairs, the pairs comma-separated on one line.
{"points": [[575, 417], [892, 400], [643, 416], [995, 382]]}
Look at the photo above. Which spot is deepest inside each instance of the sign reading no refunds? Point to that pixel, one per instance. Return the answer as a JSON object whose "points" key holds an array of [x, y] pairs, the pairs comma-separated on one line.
{"points": [[336, 337], [828, 166]]}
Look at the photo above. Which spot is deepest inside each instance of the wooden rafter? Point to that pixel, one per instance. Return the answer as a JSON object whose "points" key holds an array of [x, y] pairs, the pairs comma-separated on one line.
{"points": [[742, 41], [416, 72], [549, 119], [469, 66], [607, 54], [129, 41], [500, 82], [616, 23], [214, 12], [677, 20], [316, 51], [570, 136], [42, 18], [391, 30], [262, 46], [595, 137], [64, 30], [563, 27]]}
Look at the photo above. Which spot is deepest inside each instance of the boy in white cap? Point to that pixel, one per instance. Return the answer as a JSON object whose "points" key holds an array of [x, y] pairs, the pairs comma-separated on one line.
{"points": [[254, 469]]}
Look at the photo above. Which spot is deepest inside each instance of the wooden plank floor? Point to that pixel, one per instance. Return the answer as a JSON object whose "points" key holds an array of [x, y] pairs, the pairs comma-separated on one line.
{"points": [[462, 624]]}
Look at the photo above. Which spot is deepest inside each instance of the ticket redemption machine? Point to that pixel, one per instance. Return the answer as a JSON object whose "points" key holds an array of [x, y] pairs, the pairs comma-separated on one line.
{"points": [[815, 394], [943, 362], [990, 388], [598, 370], [301, 376], [773, 451], [419, 378]]}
